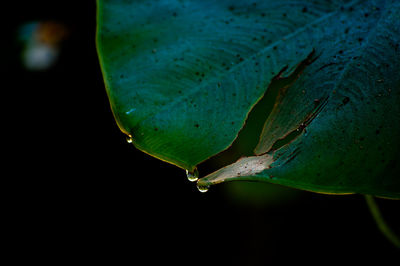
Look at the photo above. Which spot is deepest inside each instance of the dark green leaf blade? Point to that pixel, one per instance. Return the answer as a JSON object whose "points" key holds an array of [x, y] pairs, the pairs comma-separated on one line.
{"points": [[344, 110], [183, 75]]}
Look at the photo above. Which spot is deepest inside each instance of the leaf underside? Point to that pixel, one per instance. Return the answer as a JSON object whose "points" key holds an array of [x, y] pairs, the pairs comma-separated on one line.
{"points": [[183, 76]]}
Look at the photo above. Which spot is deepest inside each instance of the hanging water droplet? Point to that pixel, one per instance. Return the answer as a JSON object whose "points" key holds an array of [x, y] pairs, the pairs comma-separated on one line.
{"points": [[129, 139], [192, 176], [202, 188]]}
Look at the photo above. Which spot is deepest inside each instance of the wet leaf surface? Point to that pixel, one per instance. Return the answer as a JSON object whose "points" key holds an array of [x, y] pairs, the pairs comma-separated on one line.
{"points": [[183, 77]]}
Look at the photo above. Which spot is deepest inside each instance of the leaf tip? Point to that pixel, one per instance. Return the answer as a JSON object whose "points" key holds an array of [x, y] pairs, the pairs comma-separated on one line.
{"points": [[246, 168]]}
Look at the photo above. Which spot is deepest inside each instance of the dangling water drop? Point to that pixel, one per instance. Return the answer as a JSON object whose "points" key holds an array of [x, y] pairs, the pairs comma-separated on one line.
{"points": [[129, 139], [202, 188], [192, 176]]}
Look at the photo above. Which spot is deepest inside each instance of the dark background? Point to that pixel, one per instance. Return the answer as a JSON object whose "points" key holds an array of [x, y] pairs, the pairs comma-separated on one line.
{"points": [[78, 192]]}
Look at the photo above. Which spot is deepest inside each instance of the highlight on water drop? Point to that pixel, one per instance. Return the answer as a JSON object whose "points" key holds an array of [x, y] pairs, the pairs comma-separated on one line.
{"points": [[202, 188], [192, 176], [129, 139]]}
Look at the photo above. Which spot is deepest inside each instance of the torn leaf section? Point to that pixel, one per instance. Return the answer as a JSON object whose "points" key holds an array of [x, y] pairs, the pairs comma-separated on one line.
{"points": [[244, 167], [249, 135], [291, 136], [283, 118]]}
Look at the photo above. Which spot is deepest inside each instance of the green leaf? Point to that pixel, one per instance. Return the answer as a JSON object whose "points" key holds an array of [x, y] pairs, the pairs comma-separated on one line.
{"points": [[183, 76]]}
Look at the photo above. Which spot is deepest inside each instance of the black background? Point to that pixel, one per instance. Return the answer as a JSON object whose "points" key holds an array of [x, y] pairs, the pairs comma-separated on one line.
{"points": [[78, 192]]}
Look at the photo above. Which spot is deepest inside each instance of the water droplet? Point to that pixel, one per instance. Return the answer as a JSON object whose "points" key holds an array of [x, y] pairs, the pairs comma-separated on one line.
{"points": [[202, 188], [129, 139], [192, 176]]}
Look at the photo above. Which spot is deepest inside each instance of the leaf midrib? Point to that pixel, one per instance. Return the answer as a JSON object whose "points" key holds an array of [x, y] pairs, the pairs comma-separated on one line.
{"points": [[361, 50], [347, 65]]}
